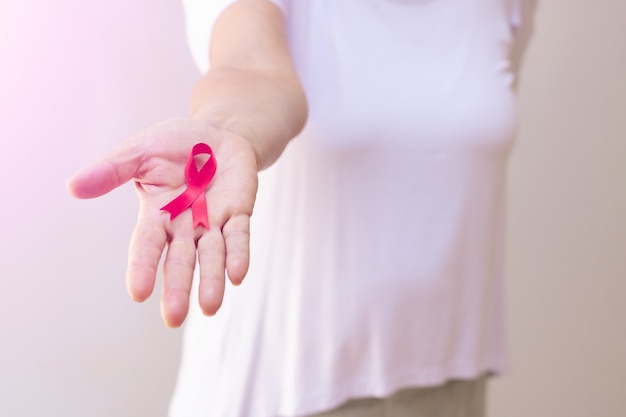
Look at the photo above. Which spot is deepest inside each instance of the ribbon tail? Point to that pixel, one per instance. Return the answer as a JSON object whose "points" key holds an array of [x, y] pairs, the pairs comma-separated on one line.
{"points": [[199, 212], [180, 203]]}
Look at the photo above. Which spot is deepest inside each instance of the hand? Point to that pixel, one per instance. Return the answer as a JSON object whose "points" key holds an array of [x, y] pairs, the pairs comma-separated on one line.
{"points": [[155, 160]]}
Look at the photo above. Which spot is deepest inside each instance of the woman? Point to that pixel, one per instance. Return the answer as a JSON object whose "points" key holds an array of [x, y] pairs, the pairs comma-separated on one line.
{"points": [[375, 282]]}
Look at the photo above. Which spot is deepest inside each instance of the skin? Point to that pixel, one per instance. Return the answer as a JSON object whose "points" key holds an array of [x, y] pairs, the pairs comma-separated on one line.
{"points": [[247, 108]]}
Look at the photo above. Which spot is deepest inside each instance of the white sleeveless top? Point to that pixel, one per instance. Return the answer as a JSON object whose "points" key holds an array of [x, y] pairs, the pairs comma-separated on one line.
{"points": [[377, 238]]}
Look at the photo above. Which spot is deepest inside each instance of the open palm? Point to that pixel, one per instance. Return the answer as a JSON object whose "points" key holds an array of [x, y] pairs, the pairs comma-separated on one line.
{"points": [[155, 160]]}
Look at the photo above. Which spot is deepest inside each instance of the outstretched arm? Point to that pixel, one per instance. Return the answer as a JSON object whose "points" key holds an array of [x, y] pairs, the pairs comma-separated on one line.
{"points": [[247, 108], [252, 87]]}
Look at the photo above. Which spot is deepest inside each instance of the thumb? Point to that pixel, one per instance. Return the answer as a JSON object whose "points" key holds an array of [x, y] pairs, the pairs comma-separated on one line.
{"points": [[105, 175]]}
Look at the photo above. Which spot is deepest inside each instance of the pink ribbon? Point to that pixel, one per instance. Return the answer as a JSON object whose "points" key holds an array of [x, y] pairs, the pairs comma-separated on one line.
{"points": [[197, 182]]}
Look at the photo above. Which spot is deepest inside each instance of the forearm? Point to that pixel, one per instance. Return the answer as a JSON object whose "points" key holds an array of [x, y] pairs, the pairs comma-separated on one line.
{"points": [[267, 108]]}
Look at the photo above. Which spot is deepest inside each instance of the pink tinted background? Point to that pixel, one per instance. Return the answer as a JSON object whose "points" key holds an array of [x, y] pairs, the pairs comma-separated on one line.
{"points": [[76, 78]]}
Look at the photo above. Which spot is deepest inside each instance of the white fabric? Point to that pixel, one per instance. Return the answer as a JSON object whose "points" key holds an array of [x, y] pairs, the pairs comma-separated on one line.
{"points": [[377, 251]]}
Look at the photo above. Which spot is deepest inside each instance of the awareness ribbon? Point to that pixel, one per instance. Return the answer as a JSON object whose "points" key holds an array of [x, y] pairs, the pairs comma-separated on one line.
{"points": [[197, 182]]}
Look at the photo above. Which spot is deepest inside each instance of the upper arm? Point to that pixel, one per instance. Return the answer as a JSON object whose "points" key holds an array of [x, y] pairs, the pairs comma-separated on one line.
{"points": [[236, 33], [250, 34]]}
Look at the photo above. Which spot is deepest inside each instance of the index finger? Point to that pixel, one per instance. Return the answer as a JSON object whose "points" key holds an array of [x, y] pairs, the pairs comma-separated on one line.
{"points": [[144, 253]]}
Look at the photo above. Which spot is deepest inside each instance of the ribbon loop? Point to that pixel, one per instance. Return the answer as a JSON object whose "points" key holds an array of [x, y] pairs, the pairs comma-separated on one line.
{"points": [[197, 182]]}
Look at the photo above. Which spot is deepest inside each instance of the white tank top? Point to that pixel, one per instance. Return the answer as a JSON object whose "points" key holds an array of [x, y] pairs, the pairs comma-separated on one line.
{"points": [[377, 238]]}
